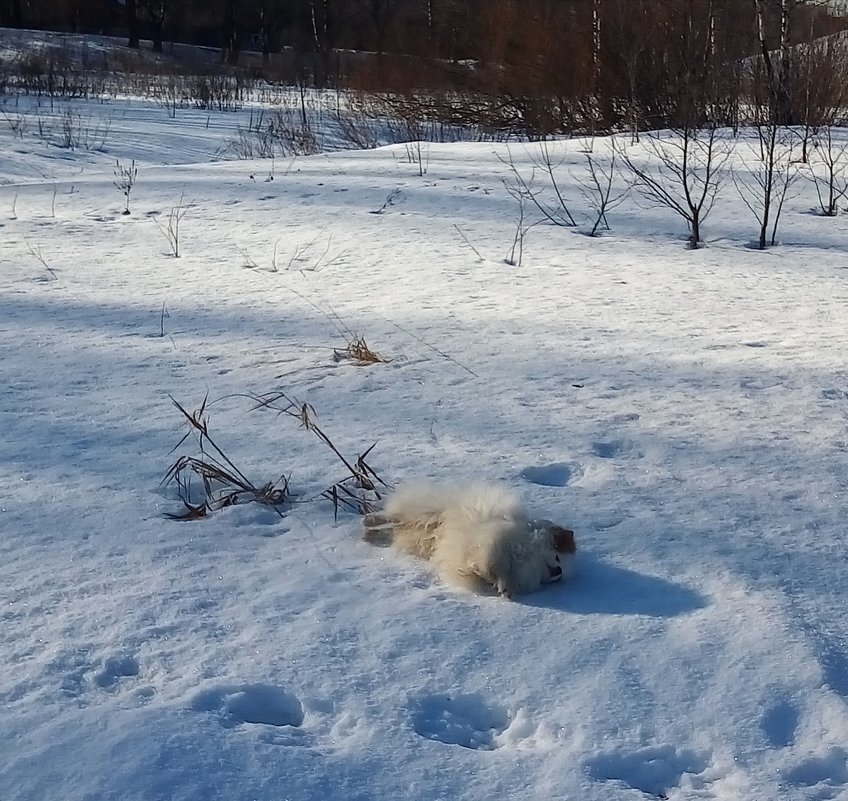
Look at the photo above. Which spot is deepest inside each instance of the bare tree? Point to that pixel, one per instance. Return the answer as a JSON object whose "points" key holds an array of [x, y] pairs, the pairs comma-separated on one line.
{"points": [[684, 173], [522, 224], [270, 22], [781, 52], [232, 33], [125, 178], [171, 231], [779, 73], [822, 84], [132, 25], [556, 211], [829, 168], [156, 10], [764, 185], [599, 189], [322, 29], [630, 50]]}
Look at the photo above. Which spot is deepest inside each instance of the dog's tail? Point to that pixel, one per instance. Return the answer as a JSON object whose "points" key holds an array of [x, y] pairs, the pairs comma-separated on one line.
{"points": [[482, 503], [420, 505], [425, 504]]}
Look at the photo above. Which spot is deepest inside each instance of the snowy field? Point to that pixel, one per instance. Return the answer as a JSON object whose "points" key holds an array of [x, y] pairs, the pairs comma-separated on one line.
{"points": [[684, 411]]}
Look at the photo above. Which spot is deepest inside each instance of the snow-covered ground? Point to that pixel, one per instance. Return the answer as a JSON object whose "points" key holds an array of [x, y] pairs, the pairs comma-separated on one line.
{"points": [[684, 412]]}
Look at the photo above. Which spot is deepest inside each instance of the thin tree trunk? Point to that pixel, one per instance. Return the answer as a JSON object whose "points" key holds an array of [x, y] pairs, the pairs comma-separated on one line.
{"points": [[696, 230], [269, 23], [767, 61], [784, 81], [157, 13], [768, 189], [231, 35], [321, 38], [596, 44], [132, 25], [780, 77], [17, 14]]}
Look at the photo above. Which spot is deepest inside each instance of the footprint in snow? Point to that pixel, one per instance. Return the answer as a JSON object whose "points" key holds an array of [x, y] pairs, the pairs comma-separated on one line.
{"points": [[761, 383], [469, 720], [557, 474], [830, 770], [625, 417], [73, 666], [116, 668], [833, 656], [655, 770], [616, 448], [259, 704], [779, 723]]}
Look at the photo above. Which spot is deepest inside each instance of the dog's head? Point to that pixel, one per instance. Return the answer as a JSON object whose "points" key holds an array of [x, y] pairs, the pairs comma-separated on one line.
{"points": [[545, 557]]}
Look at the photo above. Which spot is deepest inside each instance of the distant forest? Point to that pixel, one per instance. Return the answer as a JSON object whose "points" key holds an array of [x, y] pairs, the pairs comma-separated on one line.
{"points": [[558, 64]]}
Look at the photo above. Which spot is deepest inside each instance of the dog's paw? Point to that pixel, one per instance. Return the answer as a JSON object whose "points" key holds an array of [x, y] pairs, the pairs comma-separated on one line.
{"points": [[376, 520], [377, 529]]}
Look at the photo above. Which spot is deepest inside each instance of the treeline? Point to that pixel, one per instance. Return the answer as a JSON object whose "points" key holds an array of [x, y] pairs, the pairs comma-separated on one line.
{"points": [[540, 65]]}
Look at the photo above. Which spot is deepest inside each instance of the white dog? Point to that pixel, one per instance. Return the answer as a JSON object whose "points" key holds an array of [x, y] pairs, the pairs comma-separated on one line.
{"points": [[478, 536]]}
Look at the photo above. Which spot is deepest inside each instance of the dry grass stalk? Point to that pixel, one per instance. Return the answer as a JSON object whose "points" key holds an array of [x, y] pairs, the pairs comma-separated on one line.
{"points": [[359, 492], [356, 348], [35, 252], [171, 232], [223, 483], [357, 351]]}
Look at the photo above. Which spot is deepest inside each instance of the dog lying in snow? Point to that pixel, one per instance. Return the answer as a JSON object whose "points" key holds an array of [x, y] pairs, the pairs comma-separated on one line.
{"points": [[478, 536]]}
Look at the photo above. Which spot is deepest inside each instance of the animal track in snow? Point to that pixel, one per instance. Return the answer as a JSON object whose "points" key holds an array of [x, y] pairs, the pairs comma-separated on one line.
{"points": [[114, 669], [610, 449], [73, 665], [834, 662], [265, 704], [831, 770], [654, 770], [466, 720], [557, 474], [625, 417], [762, 383], [779, 724]]}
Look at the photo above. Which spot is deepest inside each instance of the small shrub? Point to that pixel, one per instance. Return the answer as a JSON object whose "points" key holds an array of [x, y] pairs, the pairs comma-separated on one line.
{"points": [[125, 177]]}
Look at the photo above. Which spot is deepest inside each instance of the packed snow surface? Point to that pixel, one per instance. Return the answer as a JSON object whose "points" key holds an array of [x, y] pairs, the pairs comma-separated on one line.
{"points": [[684, 411]]}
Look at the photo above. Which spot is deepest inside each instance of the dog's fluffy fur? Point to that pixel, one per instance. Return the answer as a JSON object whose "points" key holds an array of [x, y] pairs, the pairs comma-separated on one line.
{"points": [[478, 536]]}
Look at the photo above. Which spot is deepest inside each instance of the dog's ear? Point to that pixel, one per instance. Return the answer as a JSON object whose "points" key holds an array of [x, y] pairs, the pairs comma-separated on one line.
{"points": [[563, 539]]}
